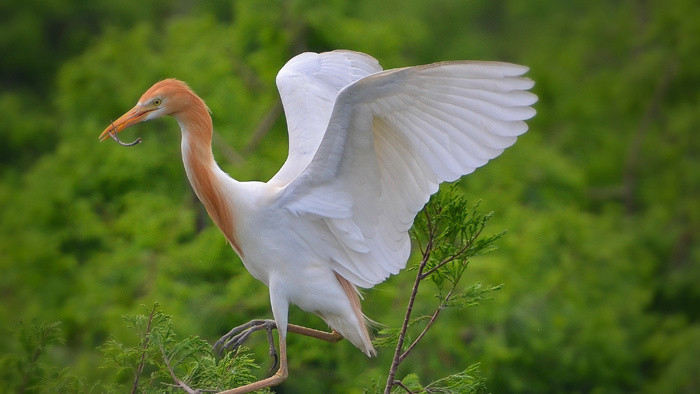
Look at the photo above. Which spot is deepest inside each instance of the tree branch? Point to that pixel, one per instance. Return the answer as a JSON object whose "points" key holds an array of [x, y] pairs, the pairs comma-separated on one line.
{"points": [[179, 382], [403, 386], [454, 256], [409, 309], [427, 326]]}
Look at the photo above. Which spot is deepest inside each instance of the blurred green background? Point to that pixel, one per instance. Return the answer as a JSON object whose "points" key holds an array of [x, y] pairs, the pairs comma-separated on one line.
{"points": [[601, 198]]}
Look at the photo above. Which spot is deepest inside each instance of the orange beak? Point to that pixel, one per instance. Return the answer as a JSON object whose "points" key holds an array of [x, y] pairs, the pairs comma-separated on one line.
{"points": [[134, 116]]}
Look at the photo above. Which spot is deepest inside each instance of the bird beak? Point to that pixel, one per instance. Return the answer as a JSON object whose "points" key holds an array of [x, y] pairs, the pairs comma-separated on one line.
{"points": [[134, 116]]}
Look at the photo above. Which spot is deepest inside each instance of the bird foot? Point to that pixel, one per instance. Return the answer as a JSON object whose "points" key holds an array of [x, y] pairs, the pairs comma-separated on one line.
{"points": [[238, 335]]}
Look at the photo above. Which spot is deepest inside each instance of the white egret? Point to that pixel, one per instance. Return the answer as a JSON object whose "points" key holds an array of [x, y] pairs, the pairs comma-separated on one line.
{"points": [[367, 148]]}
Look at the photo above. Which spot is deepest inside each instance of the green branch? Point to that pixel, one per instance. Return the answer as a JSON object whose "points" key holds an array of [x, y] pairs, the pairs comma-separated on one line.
{"points": [[452, 232]]}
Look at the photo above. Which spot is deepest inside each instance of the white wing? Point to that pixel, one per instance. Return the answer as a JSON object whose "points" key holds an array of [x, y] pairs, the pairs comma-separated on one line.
{"points": [[309, 84], [392, 138]]}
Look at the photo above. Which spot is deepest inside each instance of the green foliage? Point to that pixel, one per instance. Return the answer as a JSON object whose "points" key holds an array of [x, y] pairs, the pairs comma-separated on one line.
{"points": [[27, 370], [160, 357], [467, 381], [149, 366], [37, 336], [449, 232], [599, 197], [472, 296]]}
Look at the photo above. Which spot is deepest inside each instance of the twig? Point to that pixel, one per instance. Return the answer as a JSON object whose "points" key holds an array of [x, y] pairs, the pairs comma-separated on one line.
{"points": [[144, 347], [454, 256], [428, 325], [390, 382], [179, 382], [296, 28], [433, 238], [403, 386]]}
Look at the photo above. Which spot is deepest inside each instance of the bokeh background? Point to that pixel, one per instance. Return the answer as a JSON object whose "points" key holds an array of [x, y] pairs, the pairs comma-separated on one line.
{"points": [[601, 198]]}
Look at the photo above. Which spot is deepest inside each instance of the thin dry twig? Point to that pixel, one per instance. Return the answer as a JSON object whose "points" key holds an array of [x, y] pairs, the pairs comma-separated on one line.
{"points": [[403, 386], [433, 238], [427, 326], [409, 309], [179, 382]]}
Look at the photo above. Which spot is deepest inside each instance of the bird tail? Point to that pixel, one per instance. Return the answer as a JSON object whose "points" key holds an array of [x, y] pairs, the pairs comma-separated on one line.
{"points": [[355, 332]]}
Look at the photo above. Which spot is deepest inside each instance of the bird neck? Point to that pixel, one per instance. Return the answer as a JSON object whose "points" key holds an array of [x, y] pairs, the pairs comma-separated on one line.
{"points": [[210, 183]]}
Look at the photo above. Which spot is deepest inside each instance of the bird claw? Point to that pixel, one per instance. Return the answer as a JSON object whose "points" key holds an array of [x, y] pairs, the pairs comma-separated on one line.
{"points": [[238, 335], [273, 350]]}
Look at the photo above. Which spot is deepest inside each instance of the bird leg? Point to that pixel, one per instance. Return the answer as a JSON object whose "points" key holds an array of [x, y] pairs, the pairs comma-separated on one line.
{"points": [[114, 137], [331, 337], [238, 335]]}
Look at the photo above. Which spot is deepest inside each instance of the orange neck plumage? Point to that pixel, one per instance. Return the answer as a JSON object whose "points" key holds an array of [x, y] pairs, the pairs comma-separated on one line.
{"points": [[196, 125]]}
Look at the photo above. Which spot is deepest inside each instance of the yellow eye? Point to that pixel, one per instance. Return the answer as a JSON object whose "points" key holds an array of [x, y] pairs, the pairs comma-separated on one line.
{"points": [[157, 102]]}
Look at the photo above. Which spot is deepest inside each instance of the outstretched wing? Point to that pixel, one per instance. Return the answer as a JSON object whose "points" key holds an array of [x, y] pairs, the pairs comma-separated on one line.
{"points": [[392, 138], [309, 84]]}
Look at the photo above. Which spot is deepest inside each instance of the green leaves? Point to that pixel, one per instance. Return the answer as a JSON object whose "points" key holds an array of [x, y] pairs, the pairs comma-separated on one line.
{"points": [[158, 361], [449, 232], [471, 296], [28, 370], [36, 336], [161, 361], [469, 380]]}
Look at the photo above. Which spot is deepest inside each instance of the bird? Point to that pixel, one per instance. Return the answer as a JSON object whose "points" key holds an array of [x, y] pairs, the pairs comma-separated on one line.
{"points": [[367, 149]]}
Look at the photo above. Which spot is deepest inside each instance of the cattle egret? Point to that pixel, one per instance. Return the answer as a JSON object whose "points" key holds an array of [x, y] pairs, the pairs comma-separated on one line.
{"points": [[367, 148]]}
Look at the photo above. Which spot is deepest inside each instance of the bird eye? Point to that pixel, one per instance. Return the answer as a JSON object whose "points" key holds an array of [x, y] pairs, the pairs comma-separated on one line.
{"points": [[156, 102]]}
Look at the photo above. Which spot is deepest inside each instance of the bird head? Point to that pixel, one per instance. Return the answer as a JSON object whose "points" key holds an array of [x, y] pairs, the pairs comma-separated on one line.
{"points": [[166, 97]]}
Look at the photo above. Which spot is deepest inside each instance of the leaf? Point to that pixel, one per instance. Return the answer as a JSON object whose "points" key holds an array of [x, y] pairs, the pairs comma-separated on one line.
{"points": [[190, 359], [472, 295], [232, 370], [412, 382], [468, 381], [38, 335]]}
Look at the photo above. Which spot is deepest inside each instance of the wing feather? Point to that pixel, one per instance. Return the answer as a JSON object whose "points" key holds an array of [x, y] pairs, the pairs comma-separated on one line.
{"points": [[309, 84], [390, 140]]}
